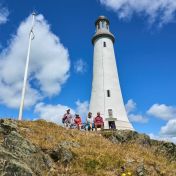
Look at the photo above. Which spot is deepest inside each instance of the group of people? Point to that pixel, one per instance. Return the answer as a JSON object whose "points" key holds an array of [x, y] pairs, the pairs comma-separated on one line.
{"points": [[68, 120]]}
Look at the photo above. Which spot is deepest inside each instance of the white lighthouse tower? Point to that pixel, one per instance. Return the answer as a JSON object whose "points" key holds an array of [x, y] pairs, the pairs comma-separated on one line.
{"points": [[106, 96]]}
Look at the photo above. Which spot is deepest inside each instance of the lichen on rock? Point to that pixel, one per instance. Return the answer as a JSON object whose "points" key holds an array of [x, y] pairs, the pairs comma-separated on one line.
{"points": [[18, 156]]}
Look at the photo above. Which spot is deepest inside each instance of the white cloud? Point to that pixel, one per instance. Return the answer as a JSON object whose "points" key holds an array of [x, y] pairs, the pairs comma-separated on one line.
{"points": [[82, 108], [54, 113], [80, 66], [162, 111], [167, 132], [4, 13], [137, 118], [131, 106], [169, 129], [162, 138], [48, 69], [157, 11]]}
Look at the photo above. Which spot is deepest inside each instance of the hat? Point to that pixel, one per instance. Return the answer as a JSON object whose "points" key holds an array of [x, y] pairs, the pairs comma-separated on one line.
{"points": [[68, 110], [76, 114]]}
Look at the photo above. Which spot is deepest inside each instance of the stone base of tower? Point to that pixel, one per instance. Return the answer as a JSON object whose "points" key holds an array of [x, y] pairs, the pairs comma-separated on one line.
{"points": [[119, 125]]}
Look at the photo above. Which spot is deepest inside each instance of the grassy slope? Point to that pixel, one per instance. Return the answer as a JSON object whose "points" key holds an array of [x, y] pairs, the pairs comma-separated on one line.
{"points": [[96, 155]]}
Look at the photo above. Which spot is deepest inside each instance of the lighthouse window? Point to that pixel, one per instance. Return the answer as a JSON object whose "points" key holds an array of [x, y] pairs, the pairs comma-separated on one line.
{"points": [[108, 93], [104, 44], [110, 113], [99, 26], [103, 24]]}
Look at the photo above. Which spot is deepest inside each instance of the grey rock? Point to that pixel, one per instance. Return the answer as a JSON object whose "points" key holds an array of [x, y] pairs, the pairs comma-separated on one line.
{"points": [[12, 167], [140, 171], [123, 136], [167, 149], [7, 125], [18, 156], [62, 153]]}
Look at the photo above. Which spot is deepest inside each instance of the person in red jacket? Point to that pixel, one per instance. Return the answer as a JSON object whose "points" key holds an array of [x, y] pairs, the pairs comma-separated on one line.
{"points": [[98, 121], [78, 121]]}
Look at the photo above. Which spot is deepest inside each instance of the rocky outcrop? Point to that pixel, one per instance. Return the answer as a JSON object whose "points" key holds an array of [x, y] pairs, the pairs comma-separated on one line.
{"points": [[126, 136], [20, 157], [62, 152], [41, 148], [167, 149]]}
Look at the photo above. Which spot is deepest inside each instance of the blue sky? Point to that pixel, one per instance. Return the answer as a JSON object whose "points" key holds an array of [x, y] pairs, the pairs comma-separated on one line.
{"points": [[145, 53]]}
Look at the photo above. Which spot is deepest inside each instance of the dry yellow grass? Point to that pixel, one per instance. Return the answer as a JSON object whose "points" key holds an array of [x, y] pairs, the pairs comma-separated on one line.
{"points": [[96, 155]]}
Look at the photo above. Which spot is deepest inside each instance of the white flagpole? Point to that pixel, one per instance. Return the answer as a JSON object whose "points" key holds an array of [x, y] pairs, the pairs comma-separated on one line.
{"points": [[31, 36]]}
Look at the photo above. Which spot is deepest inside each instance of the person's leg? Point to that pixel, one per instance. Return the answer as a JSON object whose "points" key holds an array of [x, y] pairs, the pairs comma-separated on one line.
{"points": [[67, 126], [88, 127], [102, 126], [79, 126], [95, 127]]}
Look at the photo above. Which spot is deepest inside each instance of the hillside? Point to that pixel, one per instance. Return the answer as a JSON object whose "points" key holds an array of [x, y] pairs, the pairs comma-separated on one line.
{"points": [[40, 148]]}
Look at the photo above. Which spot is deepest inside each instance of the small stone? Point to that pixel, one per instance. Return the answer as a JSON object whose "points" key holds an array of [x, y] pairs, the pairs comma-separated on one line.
{"points": [[140, 171]]}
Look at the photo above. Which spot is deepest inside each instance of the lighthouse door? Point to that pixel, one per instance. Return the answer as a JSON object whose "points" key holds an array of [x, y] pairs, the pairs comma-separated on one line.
{"points": [[112, 125]]}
